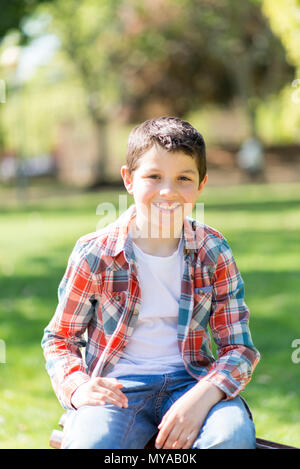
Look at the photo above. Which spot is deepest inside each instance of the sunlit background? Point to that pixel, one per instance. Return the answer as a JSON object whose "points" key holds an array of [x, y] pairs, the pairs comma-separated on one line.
{"points": [[75, 78]]}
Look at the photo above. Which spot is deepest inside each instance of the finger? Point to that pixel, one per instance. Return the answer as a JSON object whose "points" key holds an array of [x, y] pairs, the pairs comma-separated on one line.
{"points": [[114, 391], [91, 401], [112, 397], [187, 440], [97, 401], [100, 400], [108, 389], [164, 419], [163, 435], [111, 383], [178, 437], [172, 438]]}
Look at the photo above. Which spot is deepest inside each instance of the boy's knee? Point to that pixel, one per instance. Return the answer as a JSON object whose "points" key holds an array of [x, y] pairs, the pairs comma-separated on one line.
{"points": [[228, 438], [229, 427], [241, 438], [84, 441], [87, 430]]}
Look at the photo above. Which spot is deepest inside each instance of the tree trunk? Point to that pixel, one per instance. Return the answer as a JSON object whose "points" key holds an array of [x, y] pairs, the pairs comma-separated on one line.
{"points": [[100, 124], [101, 130]]}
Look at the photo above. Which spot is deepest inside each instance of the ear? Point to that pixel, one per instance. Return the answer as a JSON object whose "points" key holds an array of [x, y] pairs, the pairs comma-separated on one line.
{"points": [[202, 183], [127, 178]]}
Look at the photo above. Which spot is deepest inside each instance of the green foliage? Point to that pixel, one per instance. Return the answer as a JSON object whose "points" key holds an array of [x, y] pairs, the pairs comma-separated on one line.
{"points": [[90, 36], [121, 60], [284, 16], [279, 117], [14, 12], [212, 52], [33, 113]]}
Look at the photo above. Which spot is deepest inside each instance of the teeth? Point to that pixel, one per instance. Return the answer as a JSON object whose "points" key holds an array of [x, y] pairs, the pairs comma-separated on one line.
{"points": [[166, 206]]}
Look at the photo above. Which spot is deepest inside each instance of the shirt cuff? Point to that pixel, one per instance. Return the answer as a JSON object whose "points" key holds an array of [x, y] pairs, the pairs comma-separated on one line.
{"points": [[226, 383], [70, 385]]}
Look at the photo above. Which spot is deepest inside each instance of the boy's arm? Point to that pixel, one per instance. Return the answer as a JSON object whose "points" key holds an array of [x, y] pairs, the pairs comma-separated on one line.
{"points": [[229, 324], [229, 374], [63, 336], [181, 424]]}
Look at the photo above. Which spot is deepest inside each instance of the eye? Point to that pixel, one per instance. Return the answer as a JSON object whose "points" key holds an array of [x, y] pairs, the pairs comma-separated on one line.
{"points": [[153, 176], [184, 178]]}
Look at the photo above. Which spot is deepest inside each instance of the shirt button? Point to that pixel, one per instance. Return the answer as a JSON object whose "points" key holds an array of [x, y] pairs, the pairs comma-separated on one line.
{"points": [[117, 297], [192, 277]]}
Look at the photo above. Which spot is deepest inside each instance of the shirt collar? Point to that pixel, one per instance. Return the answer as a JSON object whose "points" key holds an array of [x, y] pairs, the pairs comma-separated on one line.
{"points": [[118, 239]]}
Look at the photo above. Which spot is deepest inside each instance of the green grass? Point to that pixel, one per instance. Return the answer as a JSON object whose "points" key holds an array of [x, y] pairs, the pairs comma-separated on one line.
{"points": [[262, 224]]}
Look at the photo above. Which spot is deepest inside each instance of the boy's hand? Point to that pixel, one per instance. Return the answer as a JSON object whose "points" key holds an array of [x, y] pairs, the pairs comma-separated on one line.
{"points": [[99, 391], [183, 421]]}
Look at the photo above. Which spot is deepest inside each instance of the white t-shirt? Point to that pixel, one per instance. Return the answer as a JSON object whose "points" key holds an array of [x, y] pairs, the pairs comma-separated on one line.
{"points": [[153, 346]]}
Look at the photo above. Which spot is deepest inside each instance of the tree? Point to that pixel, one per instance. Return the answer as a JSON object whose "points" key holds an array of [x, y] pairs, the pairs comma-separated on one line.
{"points": [[12, 17], [284, 17], [176, 54], [90, 37], [180, 54], [211, 52], [278, 115], [13, 13]]}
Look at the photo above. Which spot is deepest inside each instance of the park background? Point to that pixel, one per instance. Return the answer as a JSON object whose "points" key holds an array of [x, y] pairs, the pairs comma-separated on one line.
{"points": [[75, 77]]}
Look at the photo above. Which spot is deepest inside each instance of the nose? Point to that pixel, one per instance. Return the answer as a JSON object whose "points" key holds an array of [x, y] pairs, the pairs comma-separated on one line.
{"points": [[167, 190]]}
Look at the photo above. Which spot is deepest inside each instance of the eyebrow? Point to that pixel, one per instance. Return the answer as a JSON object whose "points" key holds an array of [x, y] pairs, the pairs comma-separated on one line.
{"points": [[189, 171], [192, 171]]}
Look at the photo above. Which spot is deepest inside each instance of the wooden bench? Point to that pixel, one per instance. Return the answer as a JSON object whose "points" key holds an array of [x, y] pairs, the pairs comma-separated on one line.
{"points": [[56, 440]]}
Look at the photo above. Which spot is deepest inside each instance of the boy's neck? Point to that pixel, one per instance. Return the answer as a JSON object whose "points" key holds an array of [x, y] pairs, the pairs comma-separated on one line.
{"points": [[156, 246]]}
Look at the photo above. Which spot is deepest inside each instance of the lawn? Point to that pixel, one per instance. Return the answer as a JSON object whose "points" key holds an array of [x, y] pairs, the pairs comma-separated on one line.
{"points": [[262, 224]]}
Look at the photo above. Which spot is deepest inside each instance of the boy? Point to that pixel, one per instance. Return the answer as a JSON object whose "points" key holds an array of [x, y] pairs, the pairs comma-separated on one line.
{"points": [[146, 299]]}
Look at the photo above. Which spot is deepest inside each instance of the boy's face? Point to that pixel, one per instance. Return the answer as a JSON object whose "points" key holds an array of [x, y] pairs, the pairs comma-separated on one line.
{"points": [[165, 187]]}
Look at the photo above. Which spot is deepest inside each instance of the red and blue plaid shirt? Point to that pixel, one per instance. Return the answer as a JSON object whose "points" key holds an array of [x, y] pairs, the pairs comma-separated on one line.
{"points": [[100, 293]]}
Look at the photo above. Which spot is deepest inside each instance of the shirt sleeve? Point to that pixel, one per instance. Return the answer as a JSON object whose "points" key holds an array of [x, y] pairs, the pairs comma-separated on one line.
{"points": [[63, 337], [229, 323]]}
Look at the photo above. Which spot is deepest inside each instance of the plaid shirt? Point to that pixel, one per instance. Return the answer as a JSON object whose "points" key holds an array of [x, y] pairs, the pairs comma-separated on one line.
{"points": [[100, 293]]}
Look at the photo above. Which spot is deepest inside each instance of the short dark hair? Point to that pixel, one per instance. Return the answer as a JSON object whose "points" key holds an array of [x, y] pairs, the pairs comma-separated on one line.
{"points": [[172, 134]]}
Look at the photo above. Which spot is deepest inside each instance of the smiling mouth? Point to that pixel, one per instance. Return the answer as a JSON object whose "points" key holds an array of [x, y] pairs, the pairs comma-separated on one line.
{"points": [[169, 207]]}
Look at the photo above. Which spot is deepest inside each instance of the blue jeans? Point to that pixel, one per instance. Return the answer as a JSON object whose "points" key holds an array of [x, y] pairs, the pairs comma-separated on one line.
{"points": [[227, 425]]}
